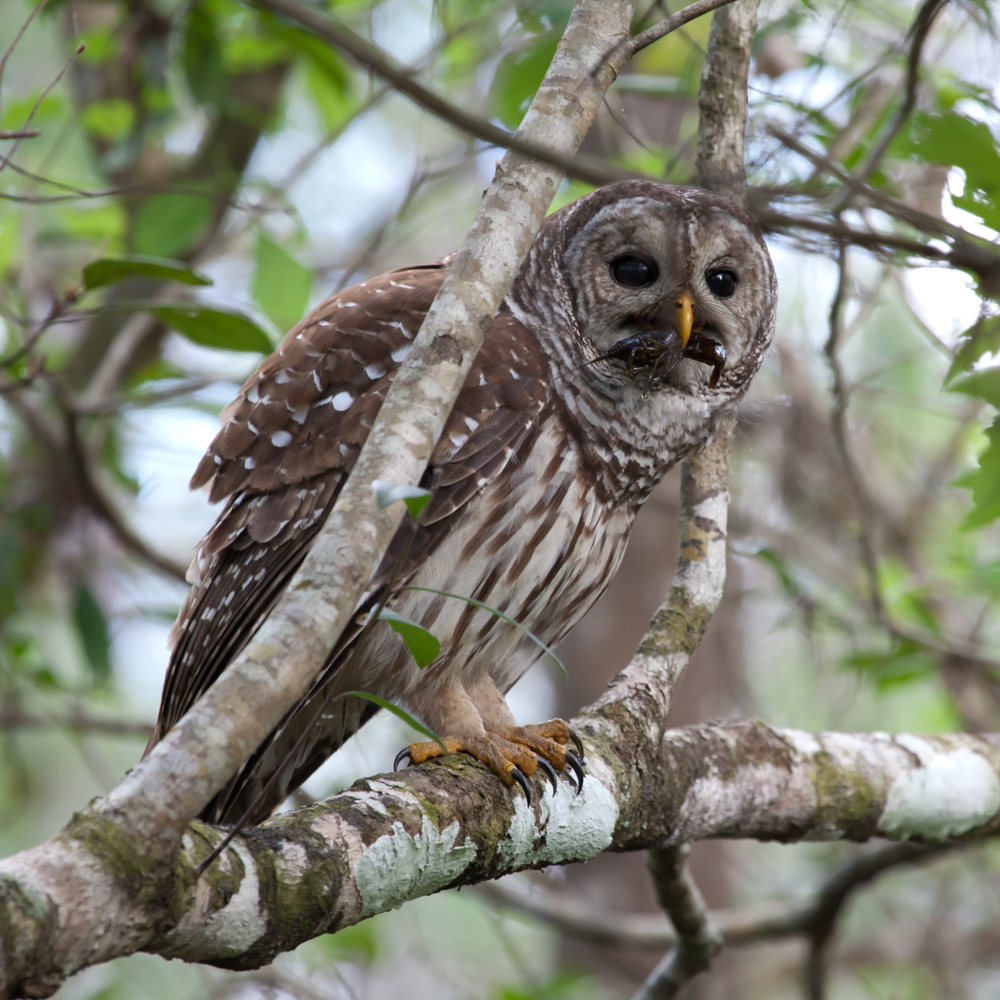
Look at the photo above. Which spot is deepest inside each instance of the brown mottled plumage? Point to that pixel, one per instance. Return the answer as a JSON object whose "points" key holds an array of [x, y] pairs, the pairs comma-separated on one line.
{"points": [[593, 381]]}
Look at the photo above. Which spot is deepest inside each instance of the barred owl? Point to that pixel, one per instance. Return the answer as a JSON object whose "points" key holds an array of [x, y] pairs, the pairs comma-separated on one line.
{"points": [[640, 315]]}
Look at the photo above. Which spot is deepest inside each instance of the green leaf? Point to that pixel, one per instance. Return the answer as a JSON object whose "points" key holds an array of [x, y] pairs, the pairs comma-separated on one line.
{"points": [[983, 337], [416, 498], [777, 562], [92, 626], [228, 331], [518, 77], [906, 661], [985, 482], [334, 104], [16, 110], [201, 56], [955, 140], [102, 45], [281, 285], [167, 224], [494, 611], [423, 646], [10, 240], [94, 222], [248, 53], [984, 384], [110, 119], [156, 370], [399, 713], [109, 270]]}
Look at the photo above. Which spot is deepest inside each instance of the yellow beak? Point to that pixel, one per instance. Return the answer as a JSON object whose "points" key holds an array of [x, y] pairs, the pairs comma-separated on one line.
{"points": [[685, 317]]}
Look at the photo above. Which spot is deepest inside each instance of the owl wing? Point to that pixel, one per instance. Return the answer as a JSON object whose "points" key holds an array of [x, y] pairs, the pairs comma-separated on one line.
{"points": [[292, 436]]}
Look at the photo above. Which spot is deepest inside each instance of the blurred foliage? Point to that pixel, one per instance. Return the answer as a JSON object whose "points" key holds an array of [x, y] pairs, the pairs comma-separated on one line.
{"points": [[204, 171]]}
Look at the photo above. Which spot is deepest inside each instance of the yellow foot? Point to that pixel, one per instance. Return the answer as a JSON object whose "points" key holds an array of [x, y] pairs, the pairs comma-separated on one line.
{"points": [[514, 754]]}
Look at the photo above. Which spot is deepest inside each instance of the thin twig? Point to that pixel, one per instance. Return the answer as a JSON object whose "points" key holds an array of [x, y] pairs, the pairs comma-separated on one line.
{"points": [[57, 311], [819, 921], [698, 939], [981, 258], [866, 508], [17, 38], [672, 23], [926, 16], [99, 503], [76, 719], [4, 160], [773, 921], [898, 209]]}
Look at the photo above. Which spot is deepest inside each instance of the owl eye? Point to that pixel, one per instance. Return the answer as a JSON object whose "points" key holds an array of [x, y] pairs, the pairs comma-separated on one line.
{"points": [[634, 272], [721, 283]]}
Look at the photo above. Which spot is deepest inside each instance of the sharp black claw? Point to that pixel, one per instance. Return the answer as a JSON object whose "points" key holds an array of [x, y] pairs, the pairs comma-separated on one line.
{"points": [[405, 752], [574, 762], [578, 743], [519, 777], [550, 773]]}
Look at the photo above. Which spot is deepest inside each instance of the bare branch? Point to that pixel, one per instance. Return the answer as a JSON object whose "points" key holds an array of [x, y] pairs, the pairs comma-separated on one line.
{"points": [[451, 823], [922, 24], [12, 717], [762, 922], [672, 23], [374, 59], [698, 939], [6, 159], [16, 39]]}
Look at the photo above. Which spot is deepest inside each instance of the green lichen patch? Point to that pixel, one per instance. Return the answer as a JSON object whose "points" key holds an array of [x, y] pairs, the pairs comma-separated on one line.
{"points": [[846, 802]]}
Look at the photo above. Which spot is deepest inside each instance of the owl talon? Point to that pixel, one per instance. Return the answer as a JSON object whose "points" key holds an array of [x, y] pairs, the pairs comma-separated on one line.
{"points": [[574, 763], [578, 743], [518, 775], [403, 754], [550, 773]]}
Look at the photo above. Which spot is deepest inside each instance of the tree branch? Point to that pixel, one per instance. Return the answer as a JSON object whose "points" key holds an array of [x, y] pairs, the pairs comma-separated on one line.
{"points": [[698, 939], [396, 837]]}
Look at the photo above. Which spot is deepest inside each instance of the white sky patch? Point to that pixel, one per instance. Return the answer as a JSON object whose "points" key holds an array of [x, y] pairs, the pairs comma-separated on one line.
{"points": [[945, 300]]}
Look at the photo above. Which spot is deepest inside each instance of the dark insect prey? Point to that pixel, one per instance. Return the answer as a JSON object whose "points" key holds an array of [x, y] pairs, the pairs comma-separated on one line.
{"points": [[657, 352]]}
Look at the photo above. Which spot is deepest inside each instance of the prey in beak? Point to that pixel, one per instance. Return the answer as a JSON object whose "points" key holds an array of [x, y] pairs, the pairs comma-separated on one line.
{"points": [[672, 334]]}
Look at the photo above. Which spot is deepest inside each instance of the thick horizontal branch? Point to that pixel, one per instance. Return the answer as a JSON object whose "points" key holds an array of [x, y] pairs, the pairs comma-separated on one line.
{"points": [[450, 823]]}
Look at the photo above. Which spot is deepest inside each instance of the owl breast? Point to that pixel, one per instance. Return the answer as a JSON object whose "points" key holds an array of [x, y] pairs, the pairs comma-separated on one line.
{"points": [[540, 556]]}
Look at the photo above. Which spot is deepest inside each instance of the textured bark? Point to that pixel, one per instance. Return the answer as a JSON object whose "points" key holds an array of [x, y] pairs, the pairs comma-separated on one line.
{"points": [[392, 838]]}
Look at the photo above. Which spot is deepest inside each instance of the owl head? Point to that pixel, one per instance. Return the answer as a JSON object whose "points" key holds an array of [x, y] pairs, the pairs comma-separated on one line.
{"points": [[653, 288]]}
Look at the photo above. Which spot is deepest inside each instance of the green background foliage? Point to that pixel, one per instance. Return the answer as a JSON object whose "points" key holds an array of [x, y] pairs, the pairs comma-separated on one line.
{"points": [[204, 172]]}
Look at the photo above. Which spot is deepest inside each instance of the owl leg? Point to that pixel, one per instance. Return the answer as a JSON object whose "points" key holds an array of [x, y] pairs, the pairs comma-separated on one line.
{"points": [[490, 734], [547, 740]]}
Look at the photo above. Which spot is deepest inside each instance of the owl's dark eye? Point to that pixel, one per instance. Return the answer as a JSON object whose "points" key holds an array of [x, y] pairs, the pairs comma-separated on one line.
{"points": [[634, 272], [721, 283]]}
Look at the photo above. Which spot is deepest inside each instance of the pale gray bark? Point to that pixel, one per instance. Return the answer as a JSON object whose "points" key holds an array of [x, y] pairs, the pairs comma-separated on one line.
{"points": [[393, 838]]}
